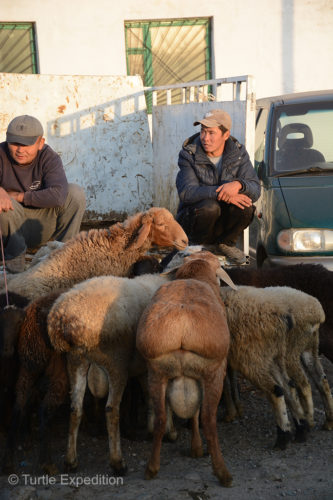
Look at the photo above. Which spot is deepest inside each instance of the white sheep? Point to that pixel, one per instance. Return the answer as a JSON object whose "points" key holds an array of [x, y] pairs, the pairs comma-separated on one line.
{"points": [[100, 252], [184, 337], [270, 330], [95, 322]]}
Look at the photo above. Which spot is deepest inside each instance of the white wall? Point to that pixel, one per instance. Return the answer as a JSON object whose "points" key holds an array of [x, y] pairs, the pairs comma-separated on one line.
{"points": [[99, 126], [286, 44]]}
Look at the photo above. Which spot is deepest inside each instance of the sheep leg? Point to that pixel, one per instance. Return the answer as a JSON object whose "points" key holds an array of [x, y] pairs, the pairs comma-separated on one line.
{"points": [[230, 408], [314, 367], [24, 386], [170, 429], [302, 388], [77, 371], [54, 398], [112, 422], [277, 400], [196, 441], [212, 390], [157, 389], [235, 390], [291, 395], [272, 386], [230, 396]]}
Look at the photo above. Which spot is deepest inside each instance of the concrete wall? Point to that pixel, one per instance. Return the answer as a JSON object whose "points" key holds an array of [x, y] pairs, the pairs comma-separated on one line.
{"points": [[286, 44], [171, 126], [99, 126]]}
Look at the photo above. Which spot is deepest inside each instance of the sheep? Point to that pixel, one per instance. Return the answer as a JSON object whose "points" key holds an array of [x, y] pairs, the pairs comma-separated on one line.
{"points": [[100, 252], [292, 343], [147, 264], [270, 330], [184, 337], [95, 323], [41, 368], [308, 278], [313, 279], [11, 316]]}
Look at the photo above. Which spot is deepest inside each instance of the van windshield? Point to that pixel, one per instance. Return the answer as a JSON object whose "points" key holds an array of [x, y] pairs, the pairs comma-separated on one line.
{"points": [[303, 139]]}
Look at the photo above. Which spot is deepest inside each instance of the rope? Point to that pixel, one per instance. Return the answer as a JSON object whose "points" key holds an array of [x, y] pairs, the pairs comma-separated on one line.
{"points": [[4, 267]]}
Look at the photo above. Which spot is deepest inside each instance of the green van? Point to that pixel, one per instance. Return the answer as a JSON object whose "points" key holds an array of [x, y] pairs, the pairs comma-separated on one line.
{"points": [[294, 161]]}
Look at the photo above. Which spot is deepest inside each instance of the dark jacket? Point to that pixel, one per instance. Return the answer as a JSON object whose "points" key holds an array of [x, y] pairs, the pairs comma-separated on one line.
{"points": [[43, 182], [198, 177]]}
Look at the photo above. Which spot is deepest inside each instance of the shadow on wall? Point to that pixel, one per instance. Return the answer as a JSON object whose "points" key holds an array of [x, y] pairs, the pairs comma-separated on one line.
{"points": [[107, 149]]}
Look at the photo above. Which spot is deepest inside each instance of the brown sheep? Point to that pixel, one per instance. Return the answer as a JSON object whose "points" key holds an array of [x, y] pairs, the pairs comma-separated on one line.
{"points": [[38, 364], [100, 252], [10, 319], [184, 337]]}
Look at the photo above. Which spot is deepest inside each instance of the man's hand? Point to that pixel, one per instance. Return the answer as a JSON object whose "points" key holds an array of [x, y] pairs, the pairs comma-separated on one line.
{"points": [[229, 193], [5, 201], [17, 195]]}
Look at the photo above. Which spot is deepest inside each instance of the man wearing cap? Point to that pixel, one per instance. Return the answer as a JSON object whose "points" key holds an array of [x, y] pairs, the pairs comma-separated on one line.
{"points": [[36, 202], [217, 186]]}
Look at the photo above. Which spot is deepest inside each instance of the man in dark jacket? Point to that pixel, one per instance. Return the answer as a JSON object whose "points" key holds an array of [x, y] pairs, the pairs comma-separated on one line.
{"points": [[36, 202], [217, 186]]}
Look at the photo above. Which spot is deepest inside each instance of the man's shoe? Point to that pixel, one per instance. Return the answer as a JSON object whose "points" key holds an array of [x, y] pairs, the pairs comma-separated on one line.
{"points": [[16, 265], [234, 254]]}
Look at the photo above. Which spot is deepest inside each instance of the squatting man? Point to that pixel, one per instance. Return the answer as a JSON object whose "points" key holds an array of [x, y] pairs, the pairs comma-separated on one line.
{"points": [[217, 186]]}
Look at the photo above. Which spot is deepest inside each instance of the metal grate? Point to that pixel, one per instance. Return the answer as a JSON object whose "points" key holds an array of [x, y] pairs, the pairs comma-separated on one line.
{"points": [[168, 52], [17, 48]]}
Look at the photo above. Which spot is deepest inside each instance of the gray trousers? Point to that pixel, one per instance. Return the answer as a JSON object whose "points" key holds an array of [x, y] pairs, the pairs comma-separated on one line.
{"points": [[27, 228]]}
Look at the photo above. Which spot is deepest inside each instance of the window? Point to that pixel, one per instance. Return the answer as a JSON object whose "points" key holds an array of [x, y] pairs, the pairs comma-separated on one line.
{"points": [[168, 52], [17, 48], [303, 136]]}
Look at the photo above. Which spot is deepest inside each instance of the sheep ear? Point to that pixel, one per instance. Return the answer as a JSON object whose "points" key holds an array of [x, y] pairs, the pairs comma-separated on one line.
{"points": [[170, 272], [226, 278], [143, 233]]}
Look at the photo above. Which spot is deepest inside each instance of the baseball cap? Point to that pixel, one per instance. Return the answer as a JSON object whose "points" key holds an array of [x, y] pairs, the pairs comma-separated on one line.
{"points": [[24, 129], [215, 118]]}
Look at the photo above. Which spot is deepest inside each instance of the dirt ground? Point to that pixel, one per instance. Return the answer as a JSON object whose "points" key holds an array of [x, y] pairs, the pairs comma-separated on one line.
{"points": [[303, 471]]}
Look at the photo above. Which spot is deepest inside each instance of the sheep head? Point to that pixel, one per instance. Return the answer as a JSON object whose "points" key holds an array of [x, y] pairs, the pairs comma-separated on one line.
{"points": [[163, 230], [209, 258], [215, 265]]}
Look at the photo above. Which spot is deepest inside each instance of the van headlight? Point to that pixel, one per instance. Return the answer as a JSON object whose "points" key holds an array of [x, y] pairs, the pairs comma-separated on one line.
{"points": [[305, 240]]}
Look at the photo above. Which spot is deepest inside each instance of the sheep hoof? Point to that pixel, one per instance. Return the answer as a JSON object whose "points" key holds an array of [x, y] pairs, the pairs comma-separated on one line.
{"points": [[120, 468], [283, 438], [225, 479], [302, 430], [229, 417], [170, 437], [197, 452], [50, 469], [7, 469], [150, 473], [328, 425], [71, 467]]}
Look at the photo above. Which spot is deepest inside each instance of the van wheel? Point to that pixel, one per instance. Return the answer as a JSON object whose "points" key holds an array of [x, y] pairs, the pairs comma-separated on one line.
{"points": [[261, 256]]}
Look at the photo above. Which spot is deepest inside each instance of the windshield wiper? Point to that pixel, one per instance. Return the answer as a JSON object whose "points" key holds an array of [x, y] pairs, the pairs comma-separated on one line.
{"points": [[312, 169]]}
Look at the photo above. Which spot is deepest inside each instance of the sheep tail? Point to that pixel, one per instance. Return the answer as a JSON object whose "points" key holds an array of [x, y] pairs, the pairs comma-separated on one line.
{"points": [[58, 341]]}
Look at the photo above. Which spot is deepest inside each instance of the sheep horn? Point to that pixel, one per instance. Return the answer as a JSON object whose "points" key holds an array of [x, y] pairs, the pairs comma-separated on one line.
{"points": [[224, 276]]}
